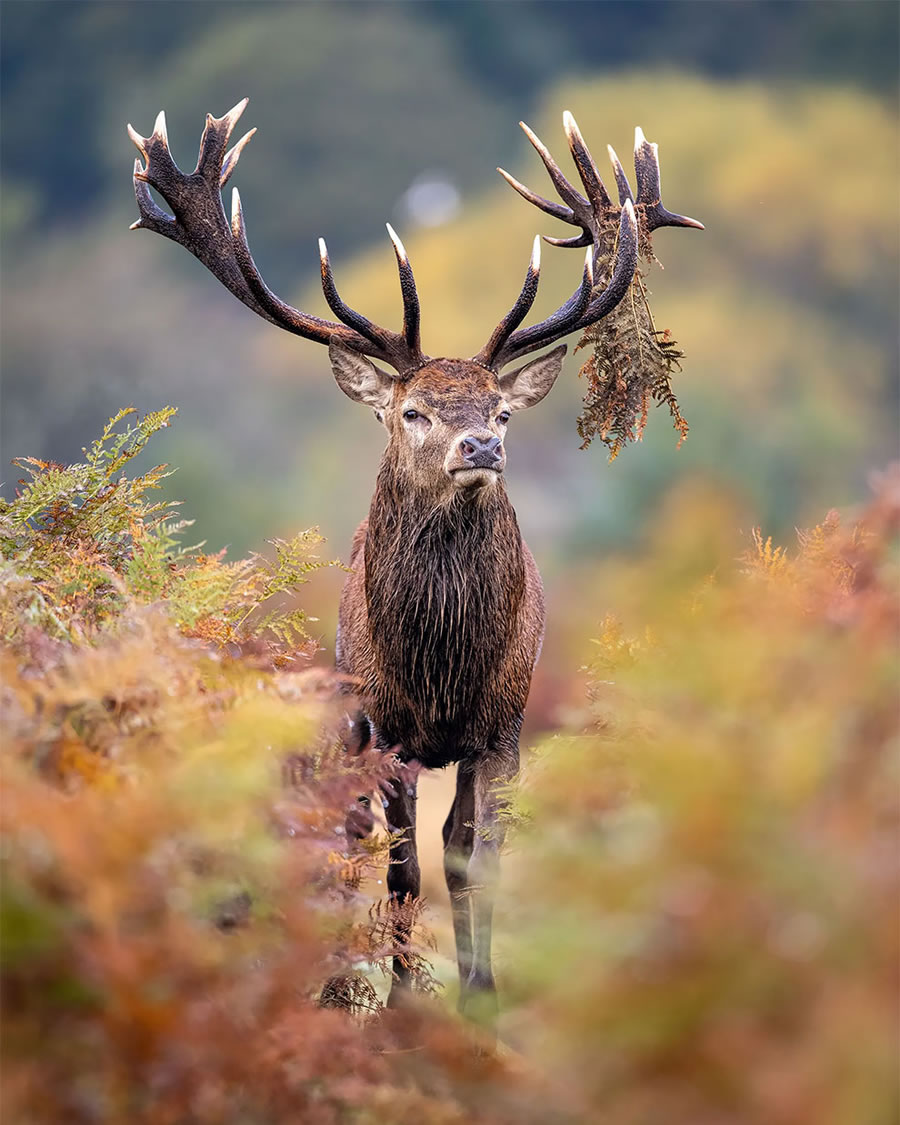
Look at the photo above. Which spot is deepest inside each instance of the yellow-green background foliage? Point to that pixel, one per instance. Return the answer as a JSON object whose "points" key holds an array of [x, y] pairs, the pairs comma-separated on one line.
{"points": [[785, 307]]}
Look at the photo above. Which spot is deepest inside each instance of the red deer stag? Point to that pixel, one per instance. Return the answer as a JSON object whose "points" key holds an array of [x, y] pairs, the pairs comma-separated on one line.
{"points": [[442, 616]]}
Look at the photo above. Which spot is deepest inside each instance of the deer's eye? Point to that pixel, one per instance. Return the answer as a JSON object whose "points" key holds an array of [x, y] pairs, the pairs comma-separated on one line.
{"points": [[503, 417], [411, 415]]}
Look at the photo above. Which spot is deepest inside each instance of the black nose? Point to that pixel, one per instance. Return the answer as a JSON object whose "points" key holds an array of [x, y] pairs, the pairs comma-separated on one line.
{"points": [[481, 452]]}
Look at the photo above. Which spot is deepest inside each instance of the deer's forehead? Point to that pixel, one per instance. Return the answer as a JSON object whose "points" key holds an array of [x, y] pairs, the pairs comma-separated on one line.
{"points": [[454, 390]]}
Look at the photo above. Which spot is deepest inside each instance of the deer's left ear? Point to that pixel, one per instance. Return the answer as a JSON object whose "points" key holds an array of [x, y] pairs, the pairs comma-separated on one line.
{"points": [[527, 385]]}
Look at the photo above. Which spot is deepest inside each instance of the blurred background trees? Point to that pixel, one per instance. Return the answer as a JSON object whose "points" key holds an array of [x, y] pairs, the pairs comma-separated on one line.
{"points": [[777, 128]]}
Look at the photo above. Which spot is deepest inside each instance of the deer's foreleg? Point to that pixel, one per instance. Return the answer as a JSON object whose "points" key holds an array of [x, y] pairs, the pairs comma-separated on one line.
{"points": [[402, 878], [459, 837], [491, 773]]}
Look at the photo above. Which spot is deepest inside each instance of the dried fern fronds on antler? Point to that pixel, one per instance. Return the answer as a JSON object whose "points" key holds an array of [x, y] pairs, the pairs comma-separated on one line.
{"points": [[631, 361], [630, 365]]}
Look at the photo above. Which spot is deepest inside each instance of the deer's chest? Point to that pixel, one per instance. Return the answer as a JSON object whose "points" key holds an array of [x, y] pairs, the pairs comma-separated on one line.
{"points": [[443, 642]]}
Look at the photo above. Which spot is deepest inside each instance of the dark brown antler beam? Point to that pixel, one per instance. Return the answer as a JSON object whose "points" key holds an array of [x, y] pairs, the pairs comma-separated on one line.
{"points": [[199, 224], [600, 221]]}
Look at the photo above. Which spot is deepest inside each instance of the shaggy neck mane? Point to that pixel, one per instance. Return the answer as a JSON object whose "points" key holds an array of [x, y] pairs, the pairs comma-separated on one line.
{"points": [[444, 587]]}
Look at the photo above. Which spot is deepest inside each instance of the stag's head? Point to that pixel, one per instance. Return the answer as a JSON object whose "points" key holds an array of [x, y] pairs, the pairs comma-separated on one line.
{"points": [[446, 418], [447, 421]]}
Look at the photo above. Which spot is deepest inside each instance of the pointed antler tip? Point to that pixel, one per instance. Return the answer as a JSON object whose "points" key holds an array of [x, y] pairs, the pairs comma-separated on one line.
{"points": [[231, 117], [399, 248], [237, 216], [323, 250], [139, 142], [514, 183], [159, 126], [136, 225]]}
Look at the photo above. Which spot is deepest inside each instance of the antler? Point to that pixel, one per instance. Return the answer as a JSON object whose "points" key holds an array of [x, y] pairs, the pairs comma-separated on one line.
{"points": [[603, 225], [198, 223]]}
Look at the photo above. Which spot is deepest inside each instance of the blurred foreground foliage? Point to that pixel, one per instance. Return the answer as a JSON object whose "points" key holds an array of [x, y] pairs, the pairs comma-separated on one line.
{"points": [[700, 908], [706, 902], [183, 932]]}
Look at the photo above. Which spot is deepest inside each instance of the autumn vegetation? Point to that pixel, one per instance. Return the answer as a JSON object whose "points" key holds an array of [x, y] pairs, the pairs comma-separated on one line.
{"points": [[700, 906], [698, 916]]}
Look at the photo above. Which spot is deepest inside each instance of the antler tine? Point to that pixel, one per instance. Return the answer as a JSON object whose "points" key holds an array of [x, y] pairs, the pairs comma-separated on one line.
{"points": [[596, 216], [558, 324], [155, 151], [646, 169], [595, 189], [199, 224], [152, 215], [272, 306], [411, 315], [518, 312], [214, 142], [623, 271], [583, 239], [566, 214], [580, 311], [231, 158], [621, 179], [567, 192], [198, 221], [139, 142], [342, 311]]}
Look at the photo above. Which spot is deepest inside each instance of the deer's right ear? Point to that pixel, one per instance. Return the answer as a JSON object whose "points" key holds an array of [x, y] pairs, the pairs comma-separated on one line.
{"points": [[358, 377], [527, 385]]}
